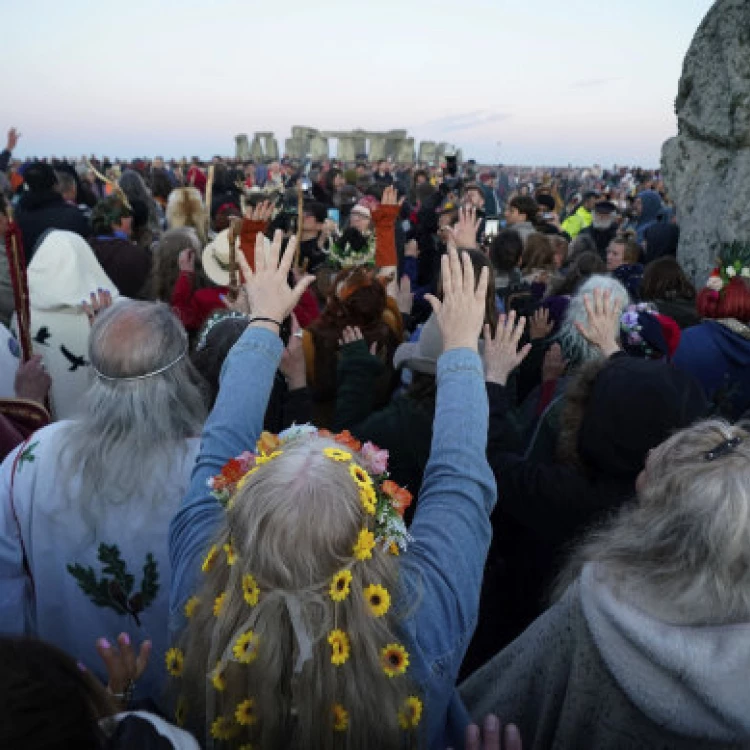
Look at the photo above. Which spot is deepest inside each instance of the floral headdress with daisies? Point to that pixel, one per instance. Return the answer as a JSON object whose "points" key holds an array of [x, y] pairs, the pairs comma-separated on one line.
{"points": [[383, 503]]}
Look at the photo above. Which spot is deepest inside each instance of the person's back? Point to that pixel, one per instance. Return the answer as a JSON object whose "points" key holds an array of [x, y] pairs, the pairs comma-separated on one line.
{"points": [[42, 208], [84, 550]]}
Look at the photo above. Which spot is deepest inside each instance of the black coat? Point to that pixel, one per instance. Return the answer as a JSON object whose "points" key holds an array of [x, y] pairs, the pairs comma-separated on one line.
{"points": [[602, 238], [39, 211]]}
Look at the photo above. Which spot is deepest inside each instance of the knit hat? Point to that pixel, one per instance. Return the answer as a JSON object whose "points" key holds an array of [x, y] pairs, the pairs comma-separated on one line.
{"points": [[635, 405], [39, 176], [421, 355], [645, 333]]}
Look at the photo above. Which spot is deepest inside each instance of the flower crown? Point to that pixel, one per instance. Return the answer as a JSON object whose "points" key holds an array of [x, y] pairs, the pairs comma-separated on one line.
{"points": [[212, 322], [733, 261], [631, 328], [384, 503], [381, 497]]}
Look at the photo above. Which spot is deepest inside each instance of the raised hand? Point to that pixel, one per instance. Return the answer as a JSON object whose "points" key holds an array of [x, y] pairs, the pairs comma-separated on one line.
{"points": [[390, 197], [461, 312], [501, 354], [352, 334], [540, 326], [268, 292], [603, 325], [511, 738], [292, 364], [262, 212], [99, 301], [123, 667], [32, 380], [404, 295], [465, 231], [13, 136]]}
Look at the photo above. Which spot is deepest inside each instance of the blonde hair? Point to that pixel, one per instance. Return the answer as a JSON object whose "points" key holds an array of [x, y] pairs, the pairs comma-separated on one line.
{"points": [[185, 208], [293, 527], [683, 550]]}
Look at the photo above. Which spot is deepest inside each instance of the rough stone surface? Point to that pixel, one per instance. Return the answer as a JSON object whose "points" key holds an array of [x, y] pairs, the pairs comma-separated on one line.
{"points": [[242, 150], [427, 152], [707, 166]]}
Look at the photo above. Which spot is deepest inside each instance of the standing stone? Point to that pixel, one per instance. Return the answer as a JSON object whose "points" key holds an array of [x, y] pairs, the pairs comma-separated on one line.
{"points": [[256, 150], [270, 146], [405, 151], [707, 166], [242, 148], [347, 149], [318, 147], [427, 152], [377, 147]]}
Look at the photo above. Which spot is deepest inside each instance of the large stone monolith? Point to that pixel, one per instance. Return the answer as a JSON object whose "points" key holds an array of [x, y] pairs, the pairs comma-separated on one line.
{"points": [[707, 166]]}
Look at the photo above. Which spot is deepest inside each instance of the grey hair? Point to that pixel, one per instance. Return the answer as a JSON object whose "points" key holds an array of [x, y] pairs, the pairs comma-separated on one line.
{"points": [[682, 552], [132, 432], [575, 347]]}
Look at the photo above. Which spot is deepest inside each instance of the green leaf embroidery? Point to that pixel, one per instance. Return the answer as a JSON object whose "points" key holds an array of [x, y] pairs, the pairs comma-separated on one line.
{"points": [[27, 455], [115, 592]]}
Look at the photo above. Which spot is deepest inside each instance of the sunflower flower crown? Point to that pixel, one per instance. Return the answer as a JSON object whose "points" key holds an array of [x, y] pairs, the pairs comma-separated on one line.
{"points": [[383, 502]]}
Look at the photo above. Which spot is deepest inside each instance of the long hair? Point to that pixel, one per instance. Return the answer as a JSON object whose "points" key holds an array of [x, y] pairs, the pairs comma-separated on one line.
{"points": [[683, 549], [580, 270], [165, 267], [292, 528], [575, 347], [664, 279], [185, 208], [131, 431], [135, 189]]}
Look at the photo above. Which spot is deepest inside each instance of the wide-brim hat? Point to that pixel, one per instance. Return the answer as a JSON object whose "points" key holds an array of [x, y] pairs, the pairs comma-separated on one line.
{"points": [[216, 259]]}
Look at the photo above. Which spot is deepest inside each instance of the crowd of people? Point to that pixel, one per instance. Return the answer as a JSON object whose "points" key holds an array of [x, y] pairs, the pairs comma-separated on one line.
{"points": [[327, 455]]}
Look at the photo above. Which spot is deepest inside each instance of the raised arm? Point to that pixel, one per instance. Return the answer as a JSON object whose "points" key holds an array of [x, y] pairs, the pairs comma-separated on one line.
{"points": [[237, 417], [451, 527]]}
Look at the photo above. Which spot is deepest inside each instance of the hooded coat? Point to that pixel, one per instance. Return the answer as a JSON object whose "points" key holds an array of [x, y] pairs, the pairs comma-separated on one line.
{"points": [[63, 273], [599, 671], [41, 210], [717, 354], [651, 207]]}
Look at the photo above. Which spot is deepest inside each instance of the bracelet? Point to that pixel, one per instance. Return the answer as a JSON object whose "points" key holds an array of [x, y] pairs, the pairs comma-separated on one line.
{"points": [[264, 320]]}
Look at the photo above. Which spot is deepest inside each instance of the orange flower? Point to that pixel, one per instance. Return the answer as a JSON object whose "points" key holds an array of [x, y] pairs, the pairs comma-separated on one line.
{"points": [[325, 434], [347, 439], [401, 497], [268, 443]]}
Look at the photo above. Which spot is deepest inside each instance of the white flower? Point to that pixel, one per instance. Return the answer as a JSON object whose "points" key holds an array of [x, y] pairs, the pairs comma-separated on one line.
{"points": [[715, 283], [745, 273], [731, 272]]}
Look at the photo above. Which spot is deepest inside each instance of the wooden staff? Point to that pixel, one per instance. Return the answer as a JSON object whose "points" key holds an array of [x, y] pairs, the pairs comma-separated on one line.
{"points": [[112, 183], [209, 196], [300, 222], [234, 275], [19, 280]]}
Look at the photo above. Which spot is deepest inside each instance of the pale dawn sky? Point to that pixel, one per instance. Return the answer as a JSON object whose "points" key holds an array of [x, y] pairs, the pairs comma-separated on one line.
{"points": [[579, 81]]}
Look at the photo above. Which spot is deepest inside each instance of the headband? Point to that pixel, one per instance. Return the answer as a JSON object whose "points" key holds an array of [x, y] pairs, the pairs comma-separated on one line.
{"points": [[140, 377]]}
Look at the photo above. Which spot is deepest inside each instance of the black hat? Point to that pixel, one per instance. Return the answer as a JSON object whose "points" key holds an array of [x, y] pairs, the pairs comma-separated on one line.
{"points": [[590, 194], [545, 200], [605, 208], [39, 176], [318, 210]]}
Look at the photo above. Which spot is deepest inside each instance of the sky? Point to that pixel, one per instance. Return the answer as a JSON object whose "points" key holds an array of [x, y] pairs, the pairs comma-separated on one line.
{"points": [[549, 82]]}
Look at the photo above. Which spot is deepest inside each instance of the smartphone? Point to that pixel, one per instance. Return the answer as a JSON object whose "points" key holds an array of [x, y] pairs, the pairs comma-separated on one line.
{"points": [[335, 215], [491, 227]]}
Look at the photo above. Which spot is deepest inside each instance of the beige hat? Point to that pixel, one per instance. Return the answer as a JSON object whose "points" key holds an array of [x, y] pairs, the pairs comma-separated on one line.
{"points": [[215, 257]]}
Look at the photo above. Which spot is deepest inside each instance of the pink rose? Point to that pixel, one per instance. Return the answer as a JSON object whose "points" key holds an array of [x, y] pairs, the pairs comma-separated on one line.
{"points": [[375, 459]]}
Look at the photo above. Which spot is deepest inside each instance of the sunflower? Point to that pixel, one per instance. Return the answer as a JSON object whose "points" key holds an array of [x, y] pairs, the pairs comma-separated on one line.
{"points": [[368, 498], [340, 585], [339, 641], [360, 476], [410, 715], [175, 660], [245, 648], [340, 718], [219, 603], [180, 711], [223, 728], [364, 546], [267, 443], [191, 605], [245, 713], [217, 678], [210, 558], [378, 599], [394, 659], [231, 554], [393, 549], [250, 589], [265, 459], [336, 454]]}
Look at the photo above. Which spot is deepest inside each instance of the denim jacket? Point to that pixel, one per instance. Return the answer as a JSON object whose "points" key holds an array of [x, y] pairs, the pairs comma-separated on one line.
{"points": [[441, 573]]}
